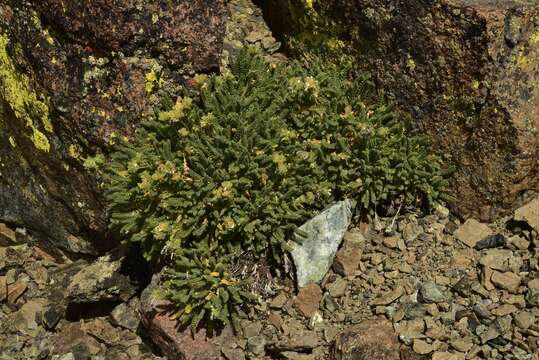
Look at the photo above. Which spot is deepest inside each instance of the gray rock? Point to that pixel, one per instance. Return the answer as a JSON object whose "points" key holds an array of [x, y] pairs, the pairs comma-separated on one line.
{"points": [[337, 288], [100, 281], [233, 354], [532, 297], [256, 345], [432, 293], [125, 316], [314, 256]]}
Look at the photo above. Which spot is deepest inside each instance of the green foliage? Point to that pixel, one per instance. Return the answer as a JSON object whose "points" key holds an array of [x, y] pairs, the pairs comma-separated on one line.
{"points": [[264, 148], [203, 289]]}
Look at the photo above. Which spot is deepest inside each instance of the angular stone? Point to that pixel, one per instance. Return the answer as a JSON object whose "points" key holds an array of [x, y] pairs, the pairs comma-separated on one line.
{"points": [[278, 301], [507, 280], [8, 237], [504, 309], [276, 320], [314, 256], [100, 281], [471, 232], [371, 339], [308, 299], [348, 257], [337, 288], [519, 242], [233, 354], [524, 319], [251, 329], [422, 347], [52, 316], [391, 242], [497, 259], [532, 296], [409, 330], [3, 288], [462, 345], [432, 293], [491, 241], [125, 316], [301, 340], [15, 290], [256, 345], [446, 355], [71, 336], [529, 213], [28, 317], [389, 297]]}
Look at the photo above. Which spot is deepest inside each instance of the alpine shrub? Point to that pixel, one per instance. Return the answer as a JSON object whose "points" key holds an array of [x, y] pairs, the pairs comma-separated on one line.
{"points": [[263, 148], [204, 288]]}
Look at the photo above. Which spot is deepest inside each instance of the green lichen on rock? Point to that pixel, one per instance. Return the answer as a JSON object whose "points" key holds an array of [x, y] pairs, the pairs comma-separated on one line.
{"points": [[26, 104]]}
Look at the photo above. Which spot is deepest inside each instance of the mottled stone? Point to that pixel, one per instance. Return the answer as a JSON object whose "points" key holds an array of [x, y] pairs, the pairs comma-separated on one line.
{"points": [[314, 256], [431, 293], [100, 281], [371, 339]]}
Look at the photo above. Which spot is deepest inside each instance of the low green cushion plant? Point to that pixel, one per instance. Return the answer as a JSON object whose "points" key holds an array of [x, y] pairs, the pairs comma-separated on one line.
{"points": [[259, 151]]}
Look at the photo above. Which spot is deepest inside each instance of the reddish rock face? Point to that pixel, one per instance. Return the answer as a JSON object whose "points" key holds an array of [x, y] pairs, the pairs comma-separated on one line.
{"points": [[371, 339], [173, 341], [101, 67], [465, 69], [185, 32]]}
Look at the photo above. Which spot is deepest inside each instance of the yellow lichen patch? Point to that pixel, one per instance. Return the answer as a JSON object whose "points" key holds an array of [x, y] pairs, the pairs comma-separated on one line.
{"points": [[48, 37], [12, 141], [522, 60], [535, 37], [74, 151], [40, 141], [15, 89], [309, 4]]}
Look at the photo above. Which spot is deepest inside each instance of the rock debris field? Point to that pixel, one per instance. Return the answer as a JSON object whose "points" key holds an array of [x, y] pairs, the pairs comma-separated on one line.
{"points": [[399, 288]]}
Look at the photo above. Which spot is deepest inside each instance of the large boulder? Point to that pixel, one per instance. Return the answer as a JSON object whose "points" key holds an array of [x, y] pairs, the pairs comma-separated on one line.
{"points": [[467, 70], [76, 76]]}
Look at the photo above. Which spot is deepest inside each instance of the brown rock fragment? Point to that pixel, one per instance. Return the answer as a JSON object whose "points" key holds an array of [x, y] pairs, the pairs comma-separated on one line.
{"points": [[389, 297], [371, 339], [3, 288], [529, 213], [508, 281], [15, 290], [7, 236], [308, 299], [347, 259], [471, 232]]}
